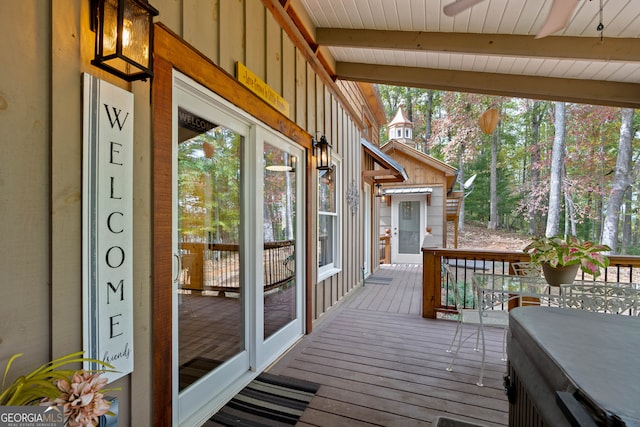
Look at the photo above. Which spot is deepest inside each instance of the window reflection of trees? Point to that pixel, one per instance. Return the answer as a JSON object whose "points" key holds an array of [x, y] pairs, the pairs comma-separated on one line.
{"points": [[209, 186], [279, 197]]}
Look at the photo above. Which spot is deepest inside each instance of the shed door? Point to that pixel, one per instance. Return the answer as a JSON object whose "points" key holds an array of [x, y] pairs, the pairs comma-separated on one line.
{"points": [[408, 215]]}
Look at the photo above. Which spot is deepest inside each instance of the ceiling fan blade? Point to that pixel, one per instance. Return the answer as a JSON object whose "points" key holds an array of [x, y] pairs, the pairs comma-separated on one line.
{"points": [[458, 6], [558, 18]]}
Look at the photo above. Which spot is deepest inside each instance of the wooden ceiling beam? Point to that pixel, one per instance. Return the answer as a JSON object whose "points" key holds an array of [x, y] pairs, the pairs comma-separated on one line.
{"points": [[533, 87], [579, 48]]}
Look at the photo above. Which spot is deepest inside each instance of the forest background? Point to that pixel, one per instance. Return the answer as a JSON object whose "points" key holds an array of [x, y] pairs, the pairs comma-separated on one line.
{"points": [[548, 168]]}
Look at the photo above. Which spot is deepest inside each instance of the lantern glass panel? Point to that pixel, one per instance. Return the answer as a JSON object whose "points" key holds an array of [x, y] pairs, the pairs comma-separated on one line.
{"points": [[135, 33], [109, 27]]}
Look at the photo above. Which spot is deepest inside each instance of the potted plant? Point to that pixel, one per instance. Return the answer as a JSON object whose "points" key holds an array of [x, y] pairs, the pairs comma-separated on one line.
{"points": [[77, 393], [557, 254]]}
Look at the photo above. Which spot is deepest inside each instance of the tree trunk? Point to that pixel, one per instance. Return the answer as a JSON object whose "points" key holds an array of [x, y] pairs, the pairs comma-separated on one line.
{"points": [[461, 181], [290, 192], [493, 185], [267, 223], [621, 180], [626, 224], [557, 160], [537, 113], [570, 214], [427, 120], [598, 194]]}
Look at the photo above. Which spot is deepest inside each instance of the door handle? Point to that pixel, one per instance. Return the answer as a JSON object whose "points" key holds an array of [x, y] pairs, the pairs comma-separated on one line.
{"points": [[177, 276]]}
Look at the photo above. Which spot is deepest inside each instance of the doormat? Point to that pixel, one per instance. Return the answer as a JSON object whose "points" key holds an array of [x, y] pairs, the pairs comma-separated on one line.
{"points": [[269, 400], [381, 280], [195, 369], [451, 422]]}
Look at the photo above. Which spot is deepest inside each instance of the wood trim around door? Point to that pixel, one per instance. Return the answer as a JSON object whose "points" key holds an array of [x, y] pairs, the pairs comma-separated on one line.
{"points": [[171, 52]]}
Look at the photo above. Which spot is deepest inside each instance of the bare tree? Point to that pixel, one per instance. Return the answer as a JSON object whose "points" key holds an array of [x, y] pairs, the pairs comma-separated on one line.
{"points": [[622, 179], [428, 118], [538, 111], [557, 161], [461, 182], [493, 180], [626, 223]]}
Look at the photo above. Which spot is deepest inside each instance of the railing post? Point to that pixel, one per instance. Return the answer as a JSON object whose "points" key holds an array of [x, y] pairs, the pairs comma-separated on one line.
{"points": [[431, 283], [386, 241], [387, 246]]}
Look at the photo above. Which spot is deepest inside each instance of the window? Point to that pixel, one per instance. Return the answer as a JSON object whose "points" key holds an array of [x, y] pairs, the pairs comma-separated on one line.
{"points": [[398, 133], [407, 133], [328, 223]]}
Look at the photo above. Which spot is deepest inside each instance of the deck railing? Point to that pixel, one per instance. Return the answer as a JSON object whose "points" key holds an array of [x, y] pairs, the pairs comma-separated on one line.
{"points": [[216, 266], [438, 296]]}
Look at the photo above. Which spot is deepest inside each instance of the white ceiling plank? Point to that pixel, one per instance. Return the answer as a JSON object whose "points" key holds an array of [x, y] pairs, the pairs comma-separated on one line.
{"points": [[404, 13], [563, 69], [526, 22], [493, 19], [594, 70], [519, 66], [629, 73], [622, 22], [510, 17], [390, 11], [353, 13], [418, 15], [534, 66]]}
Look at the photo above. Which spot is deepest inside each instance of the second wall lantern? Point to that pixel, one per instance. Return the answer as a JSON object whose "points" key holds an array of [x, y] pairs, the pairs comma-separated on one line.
{"points": [[323, 153], [124, 37]]}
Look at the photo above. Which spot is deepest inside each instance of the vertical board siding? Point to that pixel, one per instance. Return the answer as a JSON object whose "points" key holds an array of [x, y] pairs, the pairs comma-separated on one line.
{"points": [[256, 38], [301, 91], [319, 109], [232, 32], [287, 74], [201, 28], [312, 95], [274, 56]]}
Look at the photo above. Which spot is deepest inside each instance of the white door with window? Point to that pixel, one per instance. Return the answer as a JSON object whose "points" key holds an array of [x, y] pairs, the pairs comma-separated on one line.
{"points": [[237, 240], [408, 224]]}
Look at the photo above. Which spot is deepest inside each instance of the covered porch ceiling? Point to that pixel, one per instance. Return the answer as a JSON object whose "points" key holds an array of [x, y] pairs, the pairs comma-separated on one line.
{"points": [[490, 48]]}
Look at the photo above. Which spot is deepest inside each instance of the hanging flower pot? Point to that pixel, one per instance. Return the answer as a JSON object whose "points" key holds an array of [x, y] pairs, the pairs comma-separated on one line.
{"points": [[208, 149], [489, 120]]}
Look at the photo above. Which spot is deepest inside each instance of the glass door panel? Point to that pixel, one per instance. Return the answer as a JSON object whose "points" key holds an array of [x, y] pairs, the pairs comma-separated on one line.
{"points": [[280, 223], [210, 288], [409, 227]]}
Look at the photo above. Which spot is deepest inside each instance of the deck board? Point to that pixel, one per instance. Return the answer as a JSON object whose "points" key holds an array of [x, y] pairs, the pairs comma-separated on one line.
{"points": [[380, 363]]}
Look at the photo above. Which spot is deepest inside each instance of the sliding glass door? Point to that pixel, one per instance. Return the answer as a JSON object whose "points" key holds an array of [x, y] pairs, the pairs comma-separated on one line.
{"points": [[237, 305]]}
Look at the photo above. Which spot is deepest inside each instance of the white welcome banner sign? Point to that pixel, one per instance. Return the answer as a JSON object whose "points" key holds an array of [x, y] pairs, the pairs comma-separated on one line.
{"points": [[107, 221]]}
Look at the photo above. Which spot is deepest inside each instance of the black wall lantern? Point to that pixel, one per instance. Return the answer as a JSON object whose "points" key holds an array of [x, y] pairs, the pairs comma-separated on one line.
{"points": [[379, 192], [322, 153], [124, 37]]}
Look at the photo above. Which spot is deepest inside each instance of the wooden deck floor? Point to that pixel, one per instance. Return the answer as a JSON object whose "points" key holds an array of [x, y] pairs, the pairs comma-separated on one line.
{"points": [[380, 363]]}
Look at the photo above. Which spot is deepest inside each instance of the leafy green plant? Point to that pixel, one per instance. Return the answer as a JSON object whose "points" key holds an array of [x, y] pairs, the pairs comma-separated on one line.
{"points": [[558, 252]]}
